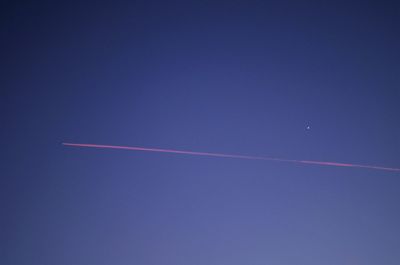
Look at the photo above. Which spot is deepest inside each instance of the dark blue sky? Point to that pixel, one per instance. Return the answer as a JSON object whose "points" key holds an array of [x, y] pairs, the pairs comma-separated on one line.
{"points": [[243, 77]]}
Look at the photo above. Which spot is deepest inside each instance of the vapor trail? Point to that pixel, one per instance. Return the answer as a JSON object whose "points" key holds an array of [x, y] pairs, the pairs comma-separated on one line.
{"points": [[321, 163]]}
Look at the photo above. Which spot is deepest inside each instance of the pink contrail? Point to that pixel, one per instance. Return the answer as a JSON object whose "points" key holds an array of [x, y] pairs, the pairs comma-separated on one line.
{"points": [[321, 163]]}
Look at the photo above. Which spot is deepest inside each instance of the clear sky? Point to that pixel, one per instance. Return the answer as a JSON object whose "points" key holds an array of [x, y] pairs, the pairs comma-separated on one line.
{"points": [[301, 80]]}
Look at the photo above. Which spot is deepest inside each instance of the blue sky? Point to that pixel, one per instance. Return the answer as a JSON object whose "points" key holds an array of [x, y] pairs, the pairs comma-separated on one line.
{"points": [[242, 77]]}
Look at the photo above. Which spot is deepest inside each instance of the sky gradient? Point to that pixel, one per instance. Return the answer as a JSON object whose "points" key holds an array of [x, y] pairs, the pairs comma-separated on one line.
{"points": [[298, 80]]}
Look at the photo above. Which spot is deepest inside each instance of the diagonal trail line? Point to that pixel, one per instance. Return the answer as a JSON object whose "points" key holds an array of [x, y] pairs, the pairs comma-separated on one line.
{"points": [[172, 151]]}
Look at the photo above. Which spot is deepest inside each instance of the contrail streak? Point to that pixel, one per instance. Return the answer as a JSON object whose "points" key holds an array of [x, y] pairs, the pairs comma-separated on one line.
{"points": [[308, 162]]}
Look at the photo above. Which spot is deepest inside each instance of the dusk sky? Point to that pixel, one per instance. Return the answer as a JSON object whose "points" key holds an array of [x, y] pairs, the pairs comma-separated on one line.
{"points": [[296, 80]]}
